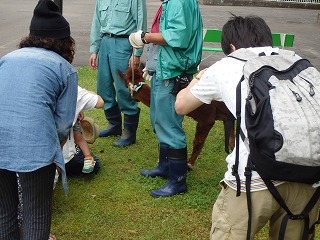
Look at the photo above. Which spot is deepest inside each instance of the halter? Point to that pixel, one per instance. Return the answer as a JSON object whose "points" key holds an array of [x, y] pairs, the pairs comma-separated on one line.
{"points": [[136, 87]]}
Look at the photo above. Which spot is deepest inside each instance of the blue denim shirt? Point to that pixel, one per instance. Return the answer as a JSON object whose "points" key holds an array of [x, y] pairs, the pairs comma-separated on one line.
{"points": [[38, 94]]}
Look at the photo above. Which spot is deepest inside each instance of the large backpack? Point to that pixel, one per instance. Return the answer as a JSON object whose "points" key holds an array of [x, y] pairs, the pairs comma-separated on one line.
{"points": [[283, 125]]}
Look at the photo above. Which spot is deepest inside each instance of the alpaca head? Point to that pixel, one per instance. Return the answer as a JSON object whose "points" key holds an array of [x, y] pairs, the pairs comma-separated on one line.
{"points": [[127, 76], [136, 85]]}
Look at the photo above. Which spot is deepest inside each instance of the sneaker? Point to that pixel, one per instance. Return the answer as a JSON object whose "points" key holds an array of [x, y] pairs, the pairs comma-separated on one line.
{"points": [[88, 165], [52, 237]]}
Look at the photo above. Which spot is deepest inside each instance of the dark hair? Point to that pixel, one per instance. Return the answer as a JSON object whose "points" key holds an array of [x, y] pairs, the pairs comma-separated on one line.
{"points": [[244, 32], [65, 47]]}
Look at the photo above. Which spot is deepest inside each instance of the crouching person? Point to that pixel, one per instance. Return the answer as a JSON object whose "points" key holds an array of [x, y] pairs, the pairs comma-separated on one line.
{"points": [[77, 156], [38, 93], [219, 82]]}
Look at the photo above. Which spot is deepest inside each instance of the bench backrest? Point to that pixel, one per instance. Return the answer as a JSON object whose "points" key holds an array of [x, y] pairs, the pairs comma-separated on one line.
{"points": [[214, 36], [282, 39]]}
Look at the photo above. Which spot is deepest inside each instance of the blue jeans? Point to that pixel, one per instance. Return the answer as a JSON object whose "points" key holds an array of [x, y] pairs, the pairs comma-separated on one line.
{"points": [[37, 191]]}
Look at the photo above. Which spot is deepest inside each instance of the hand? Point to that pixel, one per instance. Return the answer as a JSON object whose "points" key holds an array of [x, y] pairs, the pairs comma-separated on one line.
{"points": [[146, 75], [200, 74], [93, 61], [80, 116], [135, 39]]}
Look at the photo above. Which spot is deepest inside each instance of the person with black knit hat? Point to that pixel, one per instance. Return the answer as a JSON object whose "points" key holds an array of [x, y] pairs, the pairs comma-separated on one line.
{"points": [[48, 22], [38, 94]]}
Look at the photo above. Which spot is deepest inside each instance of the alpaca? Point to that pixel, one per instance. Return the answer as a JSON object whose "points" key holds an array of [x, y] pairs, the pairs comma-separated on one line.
{"points": [[205, 115]]}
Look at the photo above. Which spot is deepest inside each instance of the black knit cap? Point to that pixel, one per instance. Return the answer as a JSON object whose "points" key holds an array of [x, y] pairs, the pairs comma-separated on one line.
{"points": [[47, 21]]}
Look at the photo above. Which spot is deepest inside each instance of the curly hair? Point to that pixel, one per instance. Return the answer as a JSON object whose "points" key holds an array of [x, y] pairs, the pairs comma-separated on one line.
{"points": [[65, 47]]}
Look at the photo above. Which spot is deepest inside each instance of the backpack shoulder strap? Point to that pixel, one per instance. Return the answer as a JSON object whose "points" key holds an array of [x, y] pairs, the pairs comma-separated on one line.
{"points": [[304, 215], [287, 52], [243, 54], [238, 128], [228, 127]]}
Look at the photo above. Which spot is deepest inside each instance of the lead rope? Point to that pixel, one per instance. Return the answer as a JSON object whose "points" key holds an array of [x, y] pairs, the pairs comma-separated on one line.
{"points": [[132, 75]]}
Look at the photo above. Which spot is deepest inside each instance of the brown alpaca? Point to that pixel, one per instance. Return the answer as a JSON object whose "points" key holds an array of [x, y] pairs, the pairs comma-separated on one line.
{"points": [[205, 115]]}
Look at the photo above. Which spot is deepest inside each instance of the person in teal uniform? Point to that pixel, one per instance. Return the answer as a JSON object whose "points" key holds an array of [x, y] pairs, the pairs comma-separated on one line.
{"points": [[112, 23], [179, 54]]}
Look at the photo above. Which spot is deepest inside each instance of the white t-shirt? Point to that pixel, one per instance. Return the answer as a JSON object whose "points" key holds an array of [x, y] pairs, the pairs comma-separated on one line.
{"points": [[219, 82], [85, 101]]}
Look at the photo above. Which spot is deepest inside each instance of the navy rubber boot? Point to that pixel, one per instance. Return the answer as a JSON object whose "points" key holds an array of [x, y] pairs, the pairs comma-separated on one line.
{"points": [[178, 169], [162, 170], [114, 127], [128, 136]]}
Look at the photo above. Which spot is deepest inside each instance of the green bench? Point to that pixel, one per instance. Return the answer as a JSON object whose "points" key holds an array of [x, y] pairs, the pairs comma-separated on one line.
{"points": [[214, 36]]}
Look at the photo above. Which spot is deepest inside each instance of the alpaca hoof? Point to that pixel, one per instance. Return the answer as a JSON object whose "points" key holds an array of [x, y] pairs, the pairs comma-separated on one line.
{"points": [[190, 167]]}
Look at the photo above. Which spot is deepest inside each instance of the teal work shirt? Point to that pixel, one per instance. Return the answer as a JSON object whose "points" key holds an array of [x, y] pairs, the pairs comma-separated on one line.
{"points": [[181, 27], [119, 17]]}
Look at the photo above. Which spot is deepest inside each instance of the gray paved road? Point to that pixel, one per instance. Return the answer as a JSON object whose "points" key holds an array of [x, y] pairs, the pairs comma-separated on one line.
{"points": [[15, 18]]}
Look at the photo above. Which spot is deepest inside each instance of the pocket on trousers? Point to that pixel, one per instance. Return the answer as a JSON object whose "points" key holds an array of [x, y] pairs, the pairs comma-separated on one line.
{"points": [[220, 231], [220, 228]]}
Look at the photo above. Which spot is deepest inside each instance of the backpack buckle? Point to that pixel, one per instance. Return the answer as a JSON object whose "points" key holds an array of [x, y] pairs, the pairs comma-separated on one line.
{"points": [[247, 171], [298, 217]]}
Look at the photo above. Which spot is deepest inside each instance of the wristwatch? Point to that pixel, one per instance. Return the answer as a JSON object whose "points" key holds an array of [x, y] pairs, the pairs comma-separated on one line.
{"points": [[143, 39]]}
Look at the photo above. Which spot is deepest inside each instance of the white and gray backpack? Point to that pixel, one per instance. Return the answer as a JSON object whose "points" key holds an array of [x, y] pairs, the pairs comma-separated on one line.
{"points": [[282, 117]]}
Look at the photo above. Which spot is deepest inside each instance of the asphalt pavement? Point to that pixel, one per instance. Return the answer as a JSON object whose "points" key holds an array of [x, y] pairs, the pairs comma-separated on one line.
{"points": [[15, 19]]}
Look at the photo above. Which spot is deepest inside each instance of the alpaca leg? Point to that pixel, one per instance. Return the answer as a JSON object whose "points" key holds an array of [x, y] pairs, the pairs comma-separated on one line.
{"points": [[231, 137], [200, 137]]}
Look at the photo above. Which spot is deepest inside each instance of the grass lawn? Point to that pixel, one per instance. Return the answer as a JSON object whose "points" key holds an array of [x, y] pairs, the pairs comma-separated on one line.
{"points": [[115, 203]]}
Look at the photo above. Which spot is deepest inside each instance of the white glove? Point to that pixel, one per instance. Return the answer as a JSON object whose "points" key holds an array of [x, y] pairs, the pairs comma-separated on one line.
{"points": [[135, 39], [146, 75]]}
